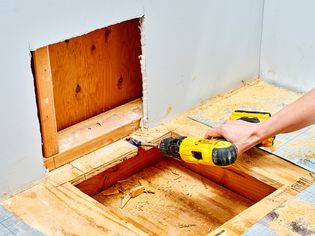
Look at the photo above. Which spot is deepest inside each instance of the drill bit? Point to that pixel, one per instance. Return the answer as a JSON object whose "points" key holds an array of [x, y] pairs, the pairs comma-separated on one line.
{"points": [[140, 143]]}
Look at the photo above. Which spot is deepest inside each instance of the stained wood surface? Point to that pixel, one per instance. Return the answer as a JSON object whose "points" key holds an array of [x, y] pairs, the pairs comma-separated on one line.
{"points": [[294, 217], [177, 201], [96, 132], [45, 101], [239, 224], [96, 72]]}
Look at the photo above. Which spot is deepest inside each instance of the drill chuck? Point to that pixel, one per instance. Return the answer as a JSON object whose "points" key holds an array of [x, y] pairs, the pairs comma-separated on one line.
{"points": [[170, 146]]}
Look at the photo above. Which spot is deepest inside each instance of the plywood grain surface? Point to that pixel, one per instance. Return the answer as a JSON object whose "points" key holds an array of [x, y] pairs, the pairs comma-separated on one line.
{"points": [[96, 72], [64, 210]]}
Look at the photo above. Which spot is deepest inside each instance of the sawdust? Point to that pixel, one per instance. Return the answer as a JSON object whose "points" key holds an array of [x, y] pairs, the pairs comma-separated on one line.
{"points": [[295, 218], [175, 201], [258, 96]]}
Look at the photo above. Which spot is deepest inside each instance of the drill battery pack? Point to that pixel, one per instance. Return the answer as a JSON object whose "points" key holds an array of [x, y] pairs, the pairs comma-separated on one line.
{"points": [[253, 117]]}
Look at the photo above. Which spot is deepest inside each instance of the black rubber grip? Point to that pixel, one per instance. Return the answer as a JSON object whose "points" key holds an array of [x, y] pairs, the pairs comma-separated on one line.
{"points": [[250, 119], [170, 146], [253, 112], [224, 156]]}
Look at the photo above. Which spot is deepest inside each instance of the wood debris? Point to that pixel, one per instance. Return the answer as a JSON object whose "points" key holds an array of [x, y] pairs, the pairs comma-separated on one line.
{"points": [[186, 225], [134, 192], [110, 191], [125, 200], [178, 177], [149, 191], [122, 181]]}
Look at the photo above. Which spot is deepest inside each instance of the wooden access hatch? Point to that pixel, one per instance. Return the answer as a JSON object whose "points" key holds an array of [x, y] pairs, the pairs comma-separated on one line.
{"points": [[175, 198], [86, 77]]}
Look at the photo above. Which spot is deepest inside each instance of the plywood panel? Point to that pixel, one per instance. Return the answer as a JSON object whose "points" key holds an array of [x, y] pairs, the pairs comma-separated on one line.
{"points": [[96, 72]]}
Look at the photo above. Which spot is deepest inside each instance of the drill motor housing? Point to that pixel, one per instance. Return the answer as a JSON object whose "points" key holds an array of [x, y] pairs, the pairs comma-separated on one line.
{"points": [[214, 152]]}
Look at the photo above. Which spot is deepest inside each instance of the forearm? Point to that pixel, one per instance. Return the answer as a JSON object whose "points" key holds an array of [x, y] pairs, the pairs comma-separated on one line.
{"points": [[245, 135], [297, 115]]}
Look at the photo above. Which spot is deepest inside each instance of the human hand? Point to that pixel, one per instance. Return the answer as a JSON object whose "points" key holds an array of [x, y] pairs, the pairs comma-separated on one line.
{"points": [[242, 134]]}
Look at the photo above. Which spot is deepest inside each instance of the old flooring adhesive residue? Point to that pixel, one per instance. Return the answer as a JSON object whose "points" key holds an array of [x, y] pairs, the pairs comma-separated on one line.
{"points": [[294, 217]]}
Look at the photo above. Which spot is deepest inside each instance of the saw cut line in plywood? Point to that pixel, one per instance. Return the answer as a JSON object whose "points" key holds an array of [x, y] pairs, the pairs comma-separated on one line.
{"points": [[96, 72], [297, 147]]}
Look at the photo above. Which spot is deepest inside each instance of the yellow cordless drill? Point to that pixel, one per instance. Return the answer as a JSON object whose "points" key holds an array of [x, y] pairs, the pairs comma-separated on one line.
{"points": [[215, 151]]}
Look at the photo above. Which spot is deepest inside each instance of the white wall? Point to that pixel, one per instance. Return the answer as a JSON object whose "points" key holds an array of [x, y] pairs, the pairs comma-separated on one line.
{"points": [[193, 49], [25, 26], [288, 43], [197, 49]]}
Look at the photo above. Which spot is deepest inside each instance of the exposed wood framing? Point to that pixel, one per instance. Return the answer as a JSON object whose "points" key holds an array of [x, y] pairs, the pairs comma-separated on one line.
{"points": [[96, 132], [235, 180], [84, 77], [182, 201], [45, 101], [121, 171], [257, 173]]}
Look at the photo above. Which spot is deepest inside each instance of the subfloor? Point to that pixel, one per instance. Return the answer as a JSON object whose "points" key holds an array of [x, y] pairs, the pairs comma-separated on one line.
{"points": [[176, 200], [56, 207]]}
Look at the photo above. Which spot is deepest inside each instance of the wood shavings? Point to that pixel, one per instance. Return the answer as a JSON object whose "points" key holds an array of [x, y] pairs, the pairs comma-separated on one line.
{"points": [[186, 225], [149, 191], [178, 206], [178, 177], [146, 185], [109, 192], [122, 181], [134, 192], [125, 200]]}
